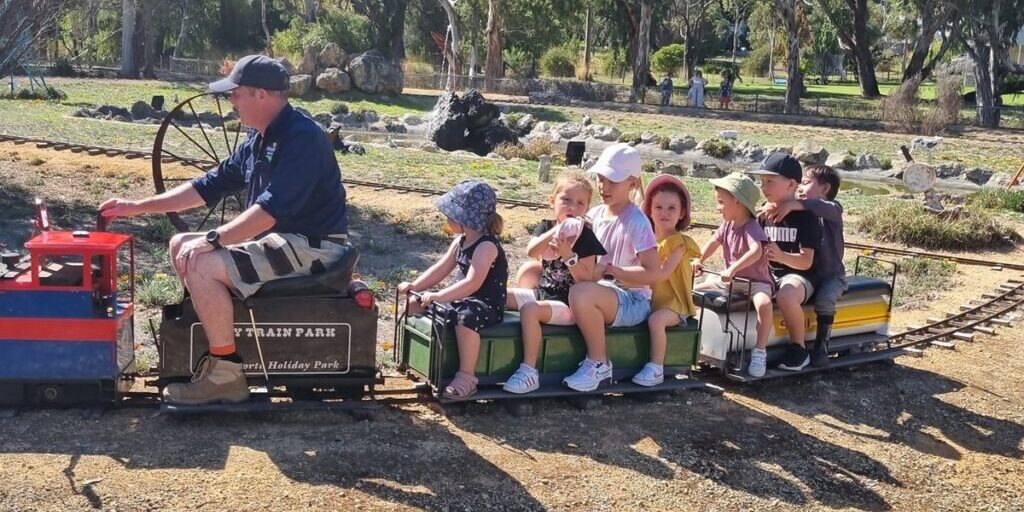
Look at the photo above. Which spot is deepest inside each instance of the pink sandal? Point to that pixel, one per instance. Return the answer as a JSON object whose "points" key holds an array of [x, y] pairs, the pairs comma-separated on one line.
{"points": [[462, 386]]}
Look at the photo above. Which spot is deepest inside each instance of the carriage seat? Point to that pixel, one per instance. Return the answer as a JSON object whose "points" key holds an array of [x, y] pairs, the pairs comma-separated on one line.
{"points": [[721, 302], [333, 281]]}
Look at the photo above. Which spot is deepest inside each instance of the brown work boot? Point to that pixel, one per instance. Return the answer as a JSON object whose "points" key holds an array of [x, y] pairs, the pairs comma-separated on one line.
{"points": [[215, 381]]}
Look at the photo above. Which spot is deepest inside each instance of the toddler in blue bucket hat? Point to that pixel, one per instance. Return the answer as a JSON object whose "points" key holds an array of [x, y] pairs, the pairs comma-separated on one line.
{"points": [[477, 299]]}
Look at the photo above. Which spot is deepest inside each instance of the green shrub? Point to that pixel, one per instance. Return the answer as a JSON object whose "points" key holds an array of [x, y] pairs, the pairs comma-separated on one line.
{"points": [[998, 199], [756, 64], [36, 161], [232, 125], [717, 148], [512, 118], [558, 61], [158, 289], [918, 281], [614, 64], [886, 163], [850, 160], [350, 31], [62, 67], [339, 108], [668, 59], [39, 93], [630, 137], [532, 149], [518, 61], [907, 222]]}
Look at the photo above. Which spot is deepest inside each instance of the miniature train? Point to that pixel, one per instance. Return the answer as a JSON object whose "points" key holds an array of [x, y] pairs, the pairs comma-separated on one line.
{"points": [[67, 335]]}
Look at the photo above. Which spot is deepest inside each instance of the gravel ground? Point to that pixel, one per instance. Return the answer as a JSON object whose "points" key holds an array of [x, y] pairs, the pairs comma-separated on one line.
{"points": [[931, 433]]}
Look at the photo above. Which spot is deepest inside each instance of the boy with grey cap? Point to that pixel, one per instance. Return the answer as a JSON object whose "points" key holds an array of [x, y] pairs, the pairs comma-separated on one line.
{"points": [[742, 241]]}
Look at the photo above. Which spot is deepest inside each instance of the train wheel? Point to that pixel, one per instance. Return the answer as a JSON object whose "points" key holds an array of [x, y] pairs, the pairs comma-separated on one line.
{"points": [[193, 138]]}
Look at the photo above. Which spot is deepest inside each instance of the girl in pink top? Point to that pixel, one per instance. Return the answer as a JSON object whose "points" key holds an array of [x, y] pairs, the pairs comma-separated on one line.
{"points": [[627, 236]]}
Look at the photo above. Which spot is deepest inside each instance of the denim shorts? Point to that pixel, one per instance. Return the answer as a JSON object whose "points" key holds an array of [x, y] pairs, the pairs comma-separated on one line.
{"points": [[634, 306]]}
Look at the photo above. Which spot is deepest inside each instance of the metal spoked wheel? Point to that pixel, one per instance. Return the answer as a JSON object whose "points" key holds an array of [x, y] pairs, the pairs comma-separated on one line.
{"points": [[193, 138]]}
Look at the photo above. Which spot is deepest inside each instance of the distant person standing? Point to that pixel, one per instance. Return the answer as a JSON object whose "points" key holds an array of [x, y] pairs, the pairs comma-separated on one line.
{"points": [[725, 90], [666, 90], [696, 94]]}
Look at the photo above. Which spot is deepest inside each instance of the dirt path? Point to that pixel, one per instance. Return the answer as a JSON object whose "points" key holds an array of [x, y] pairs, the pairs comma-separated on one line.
{"points": [[942, 432]]}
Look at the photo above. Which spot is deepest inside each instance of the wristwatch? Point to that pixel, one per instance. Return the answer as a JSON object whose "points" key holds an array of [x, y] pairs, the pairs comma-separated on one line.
{"points": [[213, 238], [574, 259]]}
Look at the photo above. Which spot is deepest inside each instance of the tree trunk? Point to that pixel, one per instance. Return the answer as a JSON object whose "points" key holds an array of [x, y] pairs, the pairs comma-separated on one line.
{"points": [[642, 62], [787, 10], [397, 53], [266, 30], [920, 63], [587, 50], [179, 45], [310, 14], [148, 40], [988, 111], [494, 67], [455, 64], [128, 69], [862, 50]]}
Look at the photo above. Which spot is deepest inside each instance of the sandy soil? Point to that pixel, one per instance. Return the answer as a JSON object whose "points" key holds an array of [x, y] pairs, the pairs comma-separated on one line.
{"points": [[942, 432]]}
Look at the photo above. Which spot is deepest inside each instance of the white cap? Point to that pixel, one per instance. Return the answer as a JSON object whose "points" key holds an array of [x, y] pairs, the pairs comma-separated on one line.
{"points": [[618, 162]]}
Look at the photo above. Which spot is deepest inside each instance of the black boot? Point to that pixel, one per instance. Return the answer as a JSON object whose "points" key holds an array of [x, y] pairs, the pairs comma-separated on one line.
{"points": [[819, 358]]}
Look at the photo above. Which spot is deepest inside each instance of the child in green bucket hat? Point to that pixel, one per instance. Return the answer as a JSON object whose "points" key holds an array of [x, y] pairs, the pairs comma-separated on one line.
{"points": [[742, 241]]}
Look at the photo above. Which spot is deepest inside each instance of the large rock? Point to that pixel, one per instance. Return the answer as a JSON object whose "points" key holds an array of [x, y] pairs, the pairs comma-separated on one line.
{"points": [[707, 171], [549, 98], [779, 149], [110, 111], [569, 130], [332, 56], [810, 153], [479, 113], [525, 123], [606, 133], [542, 126], [142, 110], [750, 151], [681, 143], [307, 66], [325, 119], [950, 170], [867, 161], [299, 85], [648, 137], [371, 73], [978, 175], [841, 161], [350, 119], [483, 140], [334, 81], [394, 80], [447, 125], [395, 127], [288, 66], [675, 169], [412, 120]]}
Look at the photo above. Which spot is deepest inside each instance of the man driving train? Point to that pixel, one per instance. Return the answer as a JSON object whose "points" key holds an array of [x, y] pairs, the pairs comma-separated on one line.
{"points": [[294, 222]]}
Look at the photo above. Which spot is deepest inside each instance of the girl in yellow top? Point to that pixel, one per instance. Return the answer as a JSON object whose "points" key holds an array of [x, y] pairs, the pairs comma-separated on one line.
{"points": [[667, 205]]}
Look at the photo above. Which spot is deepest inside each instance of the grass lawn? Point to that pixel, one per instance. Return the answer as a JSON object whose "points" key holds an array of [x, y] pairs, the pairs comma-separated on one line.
{"points": [[48, 119]]}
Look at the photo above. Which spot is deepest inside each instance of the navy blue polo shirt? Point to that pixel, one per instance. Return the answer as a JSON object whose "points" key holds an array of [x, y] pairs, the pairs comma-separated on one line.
{"points": [[290, 172]]}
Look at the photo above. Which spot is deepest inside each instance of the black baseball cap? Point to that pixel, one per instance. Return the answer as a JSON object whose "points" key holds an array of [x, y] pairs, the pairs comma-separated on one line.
{"points": [[781, 164], [257, 71]]}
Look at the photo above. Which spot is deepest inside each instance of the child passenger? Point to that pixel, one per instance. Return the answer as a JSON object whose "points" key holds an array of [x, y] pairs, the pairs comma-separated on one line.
{"points": [[795, 238], [817, 194], [567, 250], [625, 233], [477, 299], [667, 205], [742, 241]]}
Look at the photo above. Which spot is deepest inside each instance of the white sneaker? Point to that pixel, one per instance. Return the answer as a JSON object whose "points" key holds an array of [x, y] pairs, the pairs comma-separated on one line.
{"points": [[758, 362], [650, 375], [589, 376], [524, 380]]}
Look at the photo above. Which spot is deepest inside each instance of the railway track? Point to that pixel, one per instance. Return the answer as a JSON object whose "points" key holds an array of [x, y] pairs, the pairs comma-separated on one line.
{"points": [[977, 316]]}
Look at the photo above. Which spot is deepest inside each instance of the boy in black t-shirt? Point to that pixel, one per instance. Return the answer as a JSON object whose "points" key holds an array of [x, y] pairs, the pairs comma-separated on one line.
{"points": [[794, 240]]}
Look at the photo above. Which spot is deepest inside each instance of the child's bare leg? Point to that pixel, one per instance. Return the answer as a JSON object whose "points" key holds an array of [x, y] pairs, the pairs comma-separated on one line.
{"points": [[510, 302], [594, 307], [763, 306], [790, 299], [529, 275], [468, 341], [531, 317], [657, 323]]}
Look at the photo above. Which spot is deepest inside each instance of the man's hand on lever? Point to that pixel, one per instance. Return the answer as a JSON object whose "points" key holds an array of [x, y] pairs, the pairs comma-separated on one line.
{"points": [[115, 207]]}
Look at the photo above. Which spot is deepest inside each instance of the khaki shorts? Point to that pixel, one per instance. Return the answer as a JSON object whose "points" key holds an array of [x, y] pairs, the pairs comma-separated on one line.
{"points": [[797, 279], [277, 256], [749, 289]]}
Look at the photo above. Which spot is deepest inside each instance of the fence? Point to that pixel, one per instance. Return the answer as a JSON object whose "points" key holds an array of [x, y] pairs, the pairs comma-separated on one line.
{"points": [[852, 108]]}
